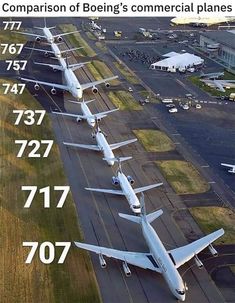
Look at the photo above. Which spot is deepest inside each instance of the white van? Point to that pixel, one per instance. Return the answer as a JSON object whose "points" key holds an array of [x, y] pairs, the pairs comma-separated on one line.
{"points": [[232, 97], [167, 101]]}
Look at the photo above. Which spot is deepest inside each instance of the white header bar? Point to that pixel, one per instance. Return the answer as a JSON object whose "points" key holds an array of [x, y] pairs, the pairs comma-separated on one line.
{"points": [[115, 8]]}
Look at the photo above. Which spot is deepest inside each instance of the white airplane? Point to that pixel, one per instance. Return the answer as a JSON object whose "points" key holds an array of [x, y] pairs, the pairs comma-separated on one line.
{"points": [[55, 51], [72, 84], [86, 113], [220, 85], [231, 166], [200, 21], [125, 183], [157, 259], [95, 25], [215, 75], [102, 145]]}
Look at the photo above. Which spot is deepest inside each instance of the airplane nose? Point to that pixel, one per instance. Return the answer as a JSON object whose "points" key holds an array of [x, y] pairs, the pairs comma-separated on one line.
{"points": [[110, 163]]}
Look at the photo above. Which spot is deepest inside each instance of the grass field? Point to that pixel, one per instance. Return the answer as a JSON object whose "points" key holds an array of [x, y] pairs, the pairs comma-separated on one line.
{"points": [[124, 100], [212, 218], [91, 36], [152, 98], [10, 37], [183, 177], [74, 281], [126, 73], [154, 140], [101, 46], [100, 70], [76, 40]]}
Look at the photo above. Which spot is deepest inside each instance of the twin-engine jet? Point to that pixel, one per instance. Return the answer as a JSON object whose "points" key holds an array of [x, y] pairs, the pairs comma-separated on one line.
{"points": [[157, 259], [125, 183], [72, 85], [102, 145], [86, 113], [231, 169]]}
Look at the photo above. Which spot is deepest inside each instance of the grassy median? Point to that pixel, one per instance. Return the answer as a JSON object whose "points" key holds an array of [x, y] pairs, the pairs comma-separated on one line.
{"points": [[124, 100], [183, 177], [211, 218], [73, 281], [8, 36], [126, 73], [76, 40], [154, 140], [100, 70]]}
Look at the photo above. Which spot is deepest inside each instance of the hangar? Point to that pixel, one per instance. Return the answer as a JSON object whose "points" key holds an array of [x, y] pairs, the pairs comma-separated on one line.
{"points": [[177, 61]]}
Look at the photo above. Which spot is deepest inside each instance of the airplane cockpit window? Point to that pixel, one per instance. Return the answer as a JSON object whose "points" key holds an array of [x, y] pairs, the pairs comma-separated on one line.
{"points": [[180, 292], [136, 207]]}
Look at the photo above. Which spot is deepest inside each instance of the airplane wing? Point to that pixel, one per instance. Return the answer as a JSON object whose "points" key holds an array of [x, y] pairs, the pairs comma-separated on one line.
{"points": [[77, 65], [106, 191], [54, 66], [30, 34], [145, 188], [91, 84], [185, 253], [70, 49], [60, 86], [70, 115], [227, 165], [143, 260], [39, 50], [86, 146], [117, 145], [104, 114], [65, 34]]}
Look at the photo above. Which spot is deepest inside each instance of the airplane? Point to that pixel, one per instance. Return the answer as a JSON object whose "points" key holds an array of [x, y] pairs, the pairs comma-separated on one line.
{"points": [[72, 84], [212, 76], [86, 113], [55, 51], [220, 85], [232, 170], [200, 21], [95, 25], [102, 145], [157, 259], [125, 183]]}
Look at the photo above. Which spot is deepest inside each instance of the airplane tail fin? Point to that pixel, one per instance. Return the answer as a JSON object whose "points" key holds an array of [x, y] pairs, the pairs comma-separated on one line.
{"points": [[77, 102]]}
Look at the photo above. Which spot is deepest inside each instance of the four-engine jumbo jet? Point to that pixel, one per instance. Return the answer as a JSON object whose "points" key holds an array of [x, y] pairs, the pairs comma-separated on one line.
{"points": [[231, 167], [125, 183], [102, 145], [157, 259], [86, 113]]}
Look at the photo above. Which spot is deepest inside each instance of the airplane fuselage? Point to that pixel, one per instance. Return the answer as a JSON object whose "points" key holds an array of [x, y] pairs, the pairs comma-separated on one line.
{"points": [[74, 87], [86, 112], [56, 50], [104, 147], [129, 193], [48, 35], [163, 261]]}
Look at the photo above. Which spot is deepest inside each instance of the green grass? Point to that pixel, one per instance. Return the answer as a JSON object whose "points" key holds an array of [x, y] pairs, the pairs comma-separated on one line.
{"points": [[154, 140], [124, 100], [101, 46], [211, 218], [126, 73], [152, 98], [74, 281], [91, 36], [100, 70], [10, 37], [183, 177], [76, 40]]}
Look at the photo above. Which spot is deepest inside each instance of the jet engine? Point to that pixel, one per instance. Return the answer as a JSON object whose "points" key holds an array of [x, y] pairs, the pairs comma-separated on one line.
{"points": [[130, 179], [102, 261], [198, 262], [36, 86], [126, 269], [94, 90], [59, 39], [38, 39], [115, 181], [213, 251], [46, 54], [79, 120], [107, 84], [53, 91]]}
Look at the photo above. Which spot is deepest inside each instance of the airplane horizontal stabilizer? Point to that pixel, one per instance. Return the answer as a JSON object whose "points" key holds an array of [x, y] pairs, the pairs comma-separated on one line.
{"points": [[56, 67], [131, 218], [117, 145], [77, 102], [85, 146], [152, 216], [145, 188], [106, 191]]}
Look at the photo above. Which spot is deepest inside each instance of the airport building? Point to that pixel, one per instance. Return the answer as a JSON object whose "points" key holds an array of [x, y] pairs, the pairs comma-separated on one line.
{"points": [[220, 44], [177, 62]]}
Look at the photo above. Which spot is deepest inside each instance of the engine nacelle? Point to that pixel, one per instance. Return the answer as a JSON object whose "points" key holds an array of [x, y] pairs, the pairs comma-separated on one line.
{"points": [[46, 54], [107, 84], [36, 86], [198, 262], [79, 120], [94, 90], [98, 119], [213, 251], [102, 261], [59, 39], [38, 39], [126, 269], [93, 135], [53, 91], [130, 179], [115, 181]]}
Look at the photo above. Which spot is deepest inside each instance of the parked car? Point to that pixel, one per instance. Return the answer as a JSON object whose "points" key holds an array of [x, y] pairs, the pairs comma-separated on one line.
{"points": [[198, 106], [173, 110], [170, 105]]}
